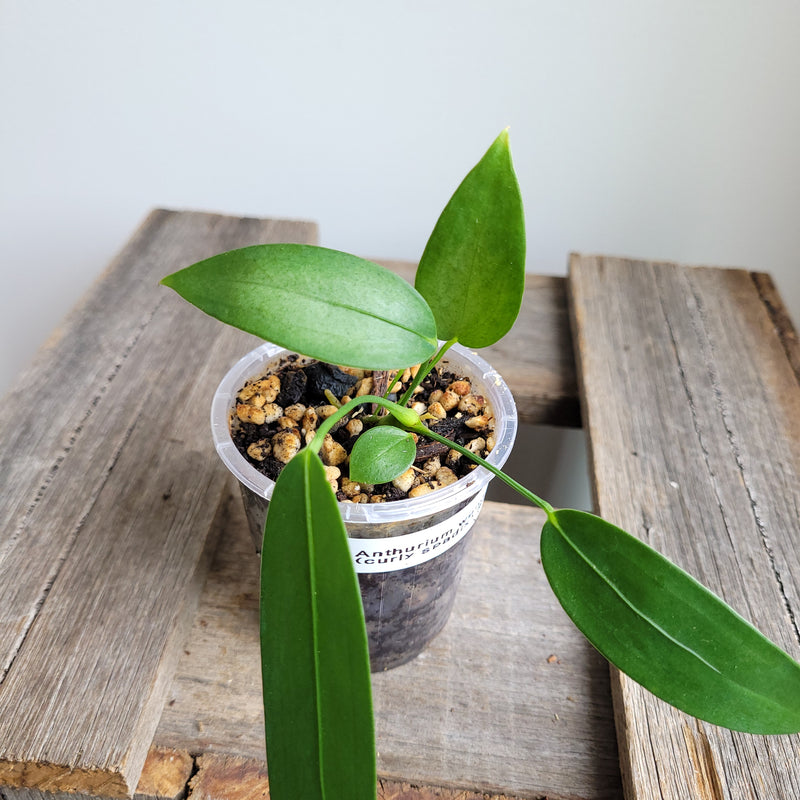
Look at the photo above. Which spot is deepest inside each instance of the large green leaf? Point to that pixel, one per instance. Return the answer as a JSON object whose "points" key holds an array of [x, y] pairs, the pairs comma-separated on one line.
{"points": [[315, 659], [665, 630], [319, 302], [472, 272]]}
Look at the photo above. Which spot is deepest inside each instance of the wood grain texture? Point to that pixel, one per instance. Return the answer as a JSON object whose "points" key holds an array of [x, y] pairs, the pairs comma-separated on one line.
{"points": [[224, 777], [535, 358], [508, 700], [165, 776], [780, 317], [109, 484], [693, 414]]}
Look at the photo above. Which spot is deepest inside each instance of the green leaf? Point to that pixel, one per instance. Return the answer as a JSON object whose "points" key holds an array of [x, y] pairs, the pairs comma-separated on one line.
{"points": [[322, 303], [381, 454], [315, 659], [665, 630], [472, 272]]}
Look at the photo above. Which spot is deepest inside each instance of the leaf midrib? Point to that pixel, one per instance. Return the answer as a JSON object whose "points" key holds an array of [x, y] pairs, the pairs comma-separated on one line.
{"points": [[337, 304], [312, 579], [630, 604]]}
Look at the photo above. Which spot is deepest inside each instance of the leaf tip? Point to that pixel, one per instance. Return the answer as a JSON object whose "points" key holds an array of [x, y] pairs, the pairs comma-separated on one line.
{"points": [[171, 281], [503, 139]]}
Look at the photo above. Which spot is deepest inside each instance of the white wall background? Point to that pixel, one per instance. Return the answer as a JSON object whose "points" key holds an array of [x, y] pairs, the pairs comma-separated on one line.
{"points": [[664, 129]]}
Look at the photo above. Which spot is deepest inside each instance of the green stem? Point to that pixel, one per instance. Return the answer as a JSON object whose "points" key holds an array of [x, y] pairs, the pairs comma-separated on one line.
{"points": [[394, 382], [405, 416], [410, 421], [425, 369], [518, 487]]}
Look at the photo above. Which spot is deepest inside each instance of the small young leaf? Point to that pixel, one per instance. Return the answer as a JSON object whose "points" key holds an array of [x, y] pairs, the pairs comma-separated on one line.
{"points": [[472, 272], [315, 659], [381, 454], [665, 630], [322, 303]]}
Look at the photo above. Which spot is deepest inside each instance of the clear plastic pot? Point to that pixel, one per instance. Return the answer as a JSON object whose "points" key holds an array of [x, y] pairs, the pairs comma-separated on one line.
{"points": [[407, 553]]}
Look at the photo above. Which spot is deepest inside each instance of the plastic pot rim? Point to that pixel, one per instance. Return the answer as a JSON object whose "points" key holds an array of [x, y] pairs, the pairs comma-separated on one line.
{"points": [[498, 395]]}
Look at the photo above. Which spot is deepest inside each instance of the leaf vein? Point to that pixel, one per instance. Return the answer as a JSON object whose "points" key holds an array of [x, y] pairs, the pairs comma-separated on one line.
{"points": [[629, 603]]}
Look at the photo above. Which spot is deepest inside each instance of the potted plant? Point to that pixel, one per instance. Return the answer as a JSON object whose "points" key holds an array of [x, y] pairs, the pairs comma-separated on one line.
{"points": [[644, 614], [407, 540]]}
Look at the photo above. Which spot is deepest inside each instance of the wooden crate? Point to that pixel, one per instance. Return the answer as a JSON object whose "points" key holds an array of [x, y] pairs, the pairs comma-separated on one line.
{"points": [[128, 585]]}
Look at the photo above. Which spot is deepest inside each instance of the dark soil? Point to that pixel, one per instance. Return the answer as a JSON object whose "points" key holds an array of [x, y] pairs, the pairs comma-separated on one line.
{"points": [[306, 384]]}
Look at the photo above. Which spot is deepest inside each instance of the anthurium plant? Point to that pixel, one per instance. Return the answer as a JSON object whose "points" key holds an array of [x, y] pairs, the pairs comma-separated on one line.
{"points": [[644, 614]]}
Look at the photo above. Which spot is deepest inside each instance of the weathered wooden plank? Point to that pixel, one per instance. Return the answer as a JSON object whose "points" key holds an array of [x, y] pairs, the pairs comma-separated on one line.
{"points": [[109, 485], [508, 700], [214, 701], [535, 358], [224, 777], [165, 776], [780, 316], [693, 415]]}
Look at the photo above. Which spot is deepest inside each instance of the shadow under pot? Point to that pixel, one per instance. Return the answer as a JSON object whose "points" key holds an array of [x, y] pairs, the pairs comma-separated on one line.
{"points": [[408, 553]]}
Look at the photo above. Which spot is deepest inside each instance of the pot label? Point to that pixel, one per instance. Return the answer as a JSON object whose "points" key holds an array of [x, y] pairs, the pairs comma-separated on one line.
{"points": [[410, 549]]}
